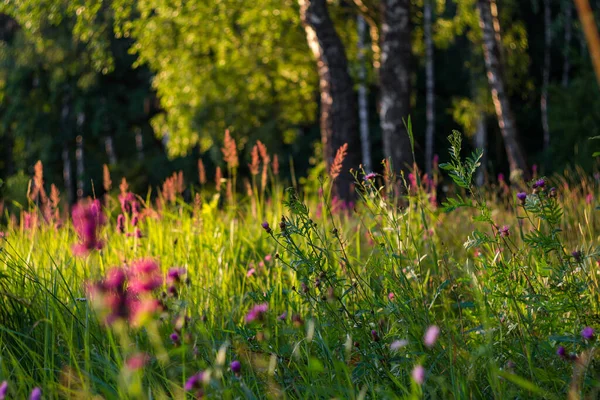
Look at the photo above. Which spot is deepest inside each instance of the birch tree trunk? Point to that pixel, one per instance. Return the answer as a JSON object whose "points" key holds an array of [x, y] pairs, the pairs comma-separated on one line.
{"points": [[568, 36], [110, 150], [497, 83], [481, 143], [339, 120], [363, 103], [429, 87], [546, 74], [394, 76]]}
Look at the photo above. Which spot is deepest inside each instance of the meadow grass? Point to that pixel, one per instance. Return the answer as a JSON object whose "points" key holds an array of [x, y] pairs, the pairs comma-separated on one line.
{"points": [[316, 298]]}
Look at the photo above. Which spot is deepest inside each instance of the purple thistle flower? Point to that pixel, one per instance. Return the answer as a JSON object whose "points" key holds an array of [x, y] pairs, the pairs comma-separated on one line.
{"points": [[370, 176], [283, 316], [174, 338], [522, 196], [194, 381], [552, 192], [540, 183], [561, 352], [236, 366], [588, 333], [577, 255], [257, 312], [418, 374], [36, 394], [266, 226], [431, 336], [3, 390]]}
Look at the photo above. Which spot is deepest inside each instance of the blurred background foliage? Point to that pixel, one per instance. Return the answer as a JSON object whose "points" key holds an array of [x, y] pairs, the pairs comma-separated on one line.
{"points": [[151, 85]]}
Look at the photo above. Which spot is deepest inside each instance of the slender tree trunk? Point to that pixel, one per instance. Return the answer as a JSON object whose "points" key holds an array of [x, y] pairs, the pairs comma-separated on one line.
{"points": [[546, 74], [394, 76], [481, 143], [110, 150], [67, 173], [568, 36], [429, 87], [79, 163], [496, 80], [363, 103], [339, 120]]}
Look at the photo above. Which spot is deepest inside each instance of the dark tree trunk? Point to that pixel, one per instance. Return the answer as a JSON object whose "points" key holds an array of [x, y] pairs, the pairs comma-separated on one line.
{"points": [[429, 86], [568, 36], [496, 79], [363, 98], [546, 74], [339, 120], [394, 76]]}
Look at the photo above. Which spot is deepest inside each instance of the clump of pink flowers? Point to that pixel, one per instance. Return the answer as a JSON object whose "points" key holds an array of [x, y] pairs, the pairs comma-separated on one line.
{"points": [[127, 294], [88, 218], [257, 312]]}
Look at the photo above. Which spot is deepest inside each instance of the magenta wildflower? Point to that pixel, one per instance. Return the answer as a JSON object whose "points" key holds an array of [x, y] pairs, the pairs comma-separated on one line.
{"points": [[257, 312], [391, 296], [431, 336], [250, 272], [115, 279], [576, 255], [175, 275], [418, 374], [137, 361], [121, 223], [522, 196], [145, 276], [587, 333], [552, 192], [87, 220], [3, 390], [370, 176], [135, 220], [236, 366], [194, 381], [268, 258], [504, 231], [36, 394], [283, 316], [127, 200], [501, 177]]}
